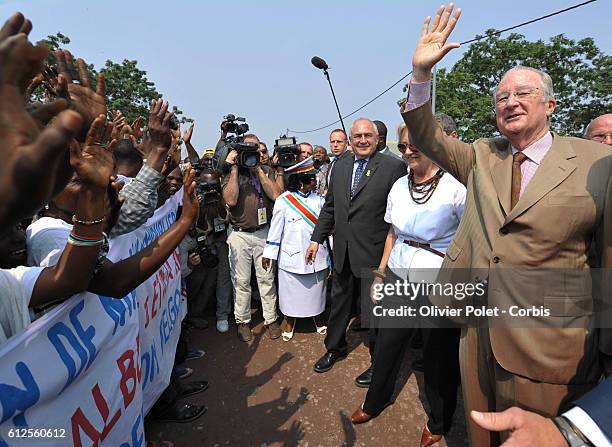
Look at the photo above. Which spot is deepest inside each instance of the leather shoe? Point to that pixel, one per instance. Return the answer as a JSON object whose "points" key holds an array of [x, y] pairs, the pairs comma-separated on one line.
{"points": [[360, 416], [428, 438], [326, 362], [364, 379]]}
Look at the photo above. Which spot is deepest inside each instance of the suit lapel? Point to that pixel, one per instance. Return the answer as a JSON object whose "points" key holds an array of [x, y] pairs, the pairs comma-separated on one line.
{"points": [[555, 168], [347, 176], [368, 173], [501, 171]]}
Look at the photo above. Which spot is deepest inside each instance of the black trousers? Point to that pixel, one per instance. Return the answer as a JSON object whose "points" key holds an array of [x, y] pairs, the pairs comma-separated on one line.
{"points": [[345, 303], [441, 372], [441, 375]]}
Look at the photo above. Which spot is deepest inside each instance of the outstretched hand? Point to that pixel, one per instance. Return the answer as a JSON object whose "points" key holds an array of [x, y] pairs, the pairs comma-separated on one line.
{"points": [[94, 164], [20, 61], [158, 131], [187, 135], [432, 46], [191, 202], [27, 150], [88, 102]]}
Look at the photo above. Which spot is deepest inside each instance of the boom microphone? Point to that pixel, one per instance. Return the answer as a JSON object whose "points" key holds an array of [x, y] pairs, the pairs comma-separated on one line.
{"points": [[322, 65], [319, 63]]}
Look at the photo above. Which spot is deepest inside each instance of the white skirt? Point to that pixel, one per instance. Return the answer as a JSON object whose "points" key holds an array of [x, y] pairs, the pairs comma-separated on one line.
{"points": [[301, 295]]}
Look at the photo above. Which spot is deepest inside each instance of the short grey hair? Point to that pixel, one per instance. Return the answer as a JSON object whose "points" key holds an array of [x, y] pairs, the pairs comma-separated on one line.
{"points": [[368, 120], [546, 83], [447, 123]]}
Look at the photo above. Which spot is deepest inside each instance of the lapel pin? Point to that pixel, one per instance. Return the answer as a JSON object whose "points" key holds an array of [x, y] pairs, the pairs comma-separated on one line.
{"points": [[368, 172]]}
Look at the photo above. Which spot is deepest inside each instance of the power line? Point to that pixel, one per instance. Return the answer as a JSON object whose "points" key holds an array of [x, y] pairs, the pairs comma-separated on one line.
{"points": [[475, 39]]}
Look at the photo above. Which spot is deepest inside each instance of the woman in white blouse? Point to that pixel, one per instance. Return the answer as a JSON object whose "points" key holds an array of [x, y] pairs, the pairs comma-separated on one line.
{"points": [[424, 209]]}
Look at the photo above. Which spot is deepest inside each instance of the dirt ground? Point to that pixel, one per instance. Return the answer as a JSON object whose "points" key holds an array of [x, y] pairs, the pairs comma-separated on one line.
{"points": [[266, 394]]}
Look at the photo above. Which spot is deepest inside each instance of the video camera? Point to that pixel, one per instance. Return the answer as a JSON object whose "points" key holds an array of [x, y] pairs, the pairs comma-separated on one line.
{"points": [[287, 150], [230, 124], [208, 191], [248, 153]]}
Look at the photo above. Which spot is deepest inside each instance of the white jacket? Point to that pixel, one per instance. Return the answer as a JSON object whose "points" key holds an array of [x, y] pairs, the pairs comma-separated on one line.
{"points": [[290, 234]]}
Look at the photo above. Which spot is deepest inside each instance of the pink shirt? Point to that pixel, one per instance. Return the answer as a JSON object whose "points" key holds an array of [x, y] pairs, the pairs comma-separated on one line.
{"points": [[419, 94], [535, 152]]}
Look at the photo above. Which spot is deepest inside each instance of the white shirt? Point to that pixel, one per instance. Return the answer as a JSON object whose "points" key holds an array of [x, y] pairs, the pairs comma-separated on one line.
{"points": [[587, 426], [433, 222], [46, 240], [355, 164], [16, 286], [290, 233]]}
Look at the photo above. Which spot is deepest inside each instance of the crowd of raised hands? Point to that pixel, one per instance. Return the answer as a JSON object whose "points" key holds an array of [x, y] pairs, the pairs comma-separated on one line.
{"points": [[61, 151]]}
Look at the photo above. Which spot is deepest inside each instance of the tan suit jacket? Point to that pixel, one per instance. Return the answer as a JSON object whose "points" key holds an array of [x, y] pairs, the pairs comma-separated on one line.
{"points": [[566, 205]]}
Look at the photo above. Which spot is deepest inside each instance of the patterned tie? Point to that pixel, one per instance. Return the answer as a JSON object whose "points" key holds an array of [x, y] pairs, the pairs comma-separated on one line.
{"points": [[358, 172], [517, 177]]}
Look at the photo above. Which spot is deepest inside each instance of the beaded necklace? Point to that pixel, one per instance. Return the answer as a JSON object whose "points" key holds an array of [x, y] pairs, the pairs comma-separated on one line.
{"points": [[422, 192]]}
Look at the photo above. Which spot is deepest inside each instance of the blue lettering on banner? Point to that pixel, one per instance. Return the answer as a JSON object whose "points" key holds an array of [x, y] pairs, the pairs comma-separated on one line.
{"points": [[153, 232], [86, 335], [13, 399], [115, 308], [149, 363], [137, 433], [86, 351], [169, 317]]}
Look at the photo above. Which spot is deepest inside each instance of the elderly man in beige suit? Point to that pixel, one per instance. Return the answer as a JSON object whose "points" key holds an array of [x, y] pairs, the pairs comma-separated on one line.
{"points": [[535, 201]]}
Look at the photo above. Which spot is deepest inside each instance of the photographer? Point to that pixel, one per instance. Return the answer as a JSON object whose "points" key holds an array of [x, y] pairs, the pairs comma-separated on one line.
{"points": [[249, 194], [206, 257]]}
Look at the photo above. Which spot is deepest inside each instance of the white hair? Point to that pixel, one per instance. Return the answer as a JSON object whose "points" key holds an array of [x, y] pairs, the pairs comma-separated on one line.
{"points": [[546, 83], [369, 121]]}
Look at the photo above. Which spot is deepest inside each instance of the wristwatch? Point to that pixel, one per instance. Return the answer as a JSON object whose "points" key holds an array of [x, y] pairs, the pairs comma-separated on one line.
{"points": [[573, 436]]}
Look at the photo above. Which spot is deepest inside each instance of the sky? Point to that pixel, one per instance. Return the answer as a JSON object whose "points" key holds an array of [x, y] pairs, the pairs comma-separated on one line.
{"points": [[252, 59]]}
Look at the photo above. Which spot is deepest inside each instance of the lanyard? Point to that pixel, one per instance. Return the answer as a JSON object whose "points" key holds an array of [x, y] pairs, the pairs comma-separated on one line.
{"points": [[257, 185]]}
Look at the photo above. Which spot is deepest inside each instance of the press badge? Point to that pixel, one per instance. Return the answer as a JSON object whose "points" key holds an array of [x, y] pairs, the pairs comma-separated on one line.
{"points": [[219, 224], [261, 216]]}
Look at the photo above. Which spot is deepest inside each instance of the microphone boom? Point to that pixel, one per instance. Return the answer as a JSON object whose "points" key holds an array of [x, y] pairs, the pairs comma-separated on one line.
{"points": [[319, 63]]}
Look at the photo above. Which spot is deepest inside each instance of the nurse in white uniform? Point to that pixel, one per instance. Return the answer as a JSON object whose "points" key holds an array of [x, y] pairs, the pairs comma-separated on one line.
{"points": [[301, 287]]}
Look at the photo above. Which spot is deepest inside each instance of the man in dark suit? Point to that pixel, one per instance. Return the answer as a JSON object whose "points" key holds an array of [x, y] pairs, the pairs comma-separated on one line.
{"points": [[588, 423], [355, 206]]}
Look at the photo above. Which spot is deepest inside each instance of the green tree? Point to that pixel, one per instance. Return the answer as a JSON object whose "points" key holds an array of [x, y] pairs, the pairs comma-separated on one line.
{"points": [[579, 70], [127, 87]]}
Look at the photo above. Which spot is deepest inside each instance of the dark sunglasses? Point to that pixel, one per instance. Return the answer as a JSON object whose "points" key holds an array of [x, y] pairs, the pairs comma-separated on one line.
{"points": [[403, 146]]}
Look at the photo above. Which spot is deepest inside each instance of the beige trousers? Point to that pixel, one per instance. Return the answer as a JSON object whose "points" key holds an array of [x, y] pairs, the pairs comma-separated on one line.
{"points": [[244, 249], [489, 387]]}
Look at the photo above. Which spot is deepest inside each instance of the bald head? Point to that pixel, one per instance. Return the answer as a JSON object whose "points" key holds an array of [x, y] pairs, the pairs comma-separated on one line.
{"points": [[364, 137], [600, 129]]}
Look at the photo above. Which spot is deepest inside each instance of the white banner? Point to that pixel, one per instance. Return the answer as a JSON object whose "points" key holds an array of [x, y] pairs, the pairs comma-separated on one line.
{"points": [[86, 373]]}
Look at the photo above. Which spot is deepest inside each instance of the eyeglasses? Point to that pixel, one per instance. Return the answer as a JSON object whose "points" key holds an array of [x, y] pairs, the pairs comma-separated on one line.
{"points": [[403, 146], [520, 95], [359, 136], [601, 137]]}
